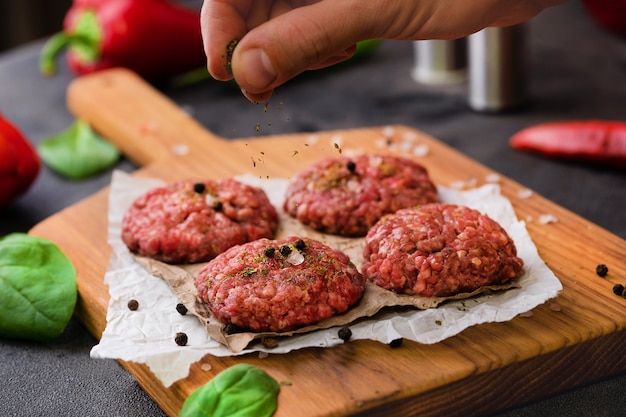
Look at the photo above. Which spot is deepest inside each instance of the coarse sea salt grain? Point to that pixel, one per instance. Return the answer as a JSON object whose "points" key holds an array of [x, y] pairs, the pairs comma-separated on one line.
{"points": [[547, 218], [180, 149], [389, 131], [381, 143], [295, 258], [492, 178], [525, 193], [421, 150], [210, 200], [457, 185], [409, 136]]}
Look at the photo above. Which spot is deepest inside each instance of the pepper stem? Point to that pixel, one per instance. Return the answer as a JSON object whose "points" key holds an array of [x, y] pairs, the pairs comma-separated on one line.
{"points": [[53, 47]]}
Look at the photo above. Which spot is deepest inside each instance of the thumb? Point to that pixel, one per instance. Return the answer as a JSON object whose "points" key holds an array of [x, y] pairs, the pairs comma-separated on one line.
{"points": [[308, 37]]}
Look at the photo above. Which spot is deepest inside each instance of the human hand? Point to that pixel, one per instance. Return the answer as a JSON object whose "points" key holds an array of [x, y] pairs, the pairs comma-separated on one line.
{"points": [[262, 44]]}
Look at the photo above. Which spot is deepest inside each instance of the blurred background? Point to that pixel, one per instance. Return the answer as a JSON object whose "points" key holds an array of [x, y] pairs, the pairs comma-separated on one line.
{"points": [[22, 21]]}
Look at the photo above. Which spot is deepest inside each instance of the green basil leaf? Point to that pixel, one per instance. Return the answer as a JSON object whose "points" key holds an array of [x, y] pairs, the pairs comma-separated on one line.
{"points": [[242, 390], [37, 288], [78, 152]]}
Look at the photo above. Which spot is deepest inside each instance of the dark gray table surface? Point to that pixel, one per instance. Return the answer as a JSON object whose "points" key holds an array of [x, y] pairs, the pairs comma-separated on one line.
{"points": [[576, 70]]}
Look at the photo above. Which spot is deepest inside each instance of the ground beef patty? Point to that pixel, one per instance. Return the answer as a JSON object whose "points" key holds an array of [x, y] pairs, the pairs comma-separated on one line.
{"points": [[187, 222], [439, 250], [347, 195], [279, 285]]}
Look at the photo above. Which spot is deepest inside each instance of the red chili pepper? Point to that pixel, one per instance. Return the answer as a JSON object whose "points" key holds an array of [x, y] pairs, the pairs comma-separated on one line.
{"points": [[157, 39], [598, 142], [19, 163]]}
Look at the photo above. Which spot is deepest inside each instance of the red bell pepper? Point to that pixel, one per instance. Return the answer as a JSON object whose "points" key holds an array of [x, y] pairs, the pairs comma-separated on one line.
{"points": [[610, 14], [157, 39], [598, 142], [19, 163]]}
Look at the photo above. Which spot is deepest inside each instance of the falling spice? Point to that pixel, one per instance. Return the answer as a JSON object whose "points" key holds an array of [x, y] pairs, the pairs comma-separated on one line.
{"points": [[230, 48]]}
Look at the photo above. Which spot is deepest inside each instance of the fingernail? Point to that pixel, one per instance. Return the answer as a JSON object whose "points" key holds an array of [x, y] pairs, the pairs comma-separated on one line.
{"points": [[258, 69]]}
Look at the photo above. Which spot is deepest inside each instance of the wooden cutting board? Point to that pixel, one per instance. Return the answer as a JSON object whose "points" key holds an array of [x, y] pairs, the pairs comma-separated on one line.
{"points": [[485, 369]]}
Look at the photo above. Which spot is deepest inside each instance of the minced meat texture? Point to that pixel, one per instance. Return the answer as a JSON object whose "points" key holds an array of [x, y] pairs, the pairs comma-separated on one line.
{"points": [[439, 250], [258, 289], [188, 222], [347, 195]]}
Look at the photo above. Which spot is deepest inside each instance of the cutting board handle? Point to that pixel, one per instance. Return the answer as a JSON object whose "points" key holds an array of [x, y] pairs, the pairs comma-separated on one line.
{"points": [[144, 124]]}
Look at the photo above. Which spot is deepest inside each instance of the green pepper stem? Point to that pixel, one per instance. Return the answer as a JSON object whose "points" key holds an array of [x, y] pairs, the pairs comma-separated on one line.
{"points": [[53, 47]]}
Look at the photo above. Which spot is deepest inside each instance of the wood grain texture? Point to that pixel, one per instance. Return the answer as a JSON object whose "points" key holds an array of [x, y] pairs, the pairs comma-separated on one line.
{"points": [[485, 369]]}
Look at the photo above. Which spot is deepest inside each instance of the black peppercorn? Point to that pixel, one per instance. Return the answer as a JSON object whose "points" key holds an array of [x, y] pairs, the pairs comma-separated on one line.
{"points": [[182, 310], [199, 187], [618, 289], [345, 334], [133, 305], [285, 250], [232, 329], [396, 343], [269, 342], [300, 244], [269, 252], [602, 270], [217, 206], [351, 166], [181, 339]]}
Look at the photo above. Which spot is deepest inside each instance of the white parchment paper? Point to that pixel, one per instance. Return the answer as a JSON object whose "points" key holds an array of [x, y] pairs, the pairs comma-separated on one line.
{"points": [[147, 334]]}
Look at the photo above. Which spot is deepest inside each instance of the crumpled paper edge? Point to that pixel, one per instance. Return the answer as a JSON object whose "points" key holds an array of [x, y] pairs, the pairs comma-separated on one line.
{"points": [[147, 335]]}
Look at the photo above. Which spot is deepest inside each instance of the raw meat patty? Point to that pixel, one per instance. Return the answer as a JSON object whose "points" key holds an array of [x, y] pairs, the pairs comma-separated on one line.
{"points": [[439, 250], [279, 285], [187, 222], [347, 195]]}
